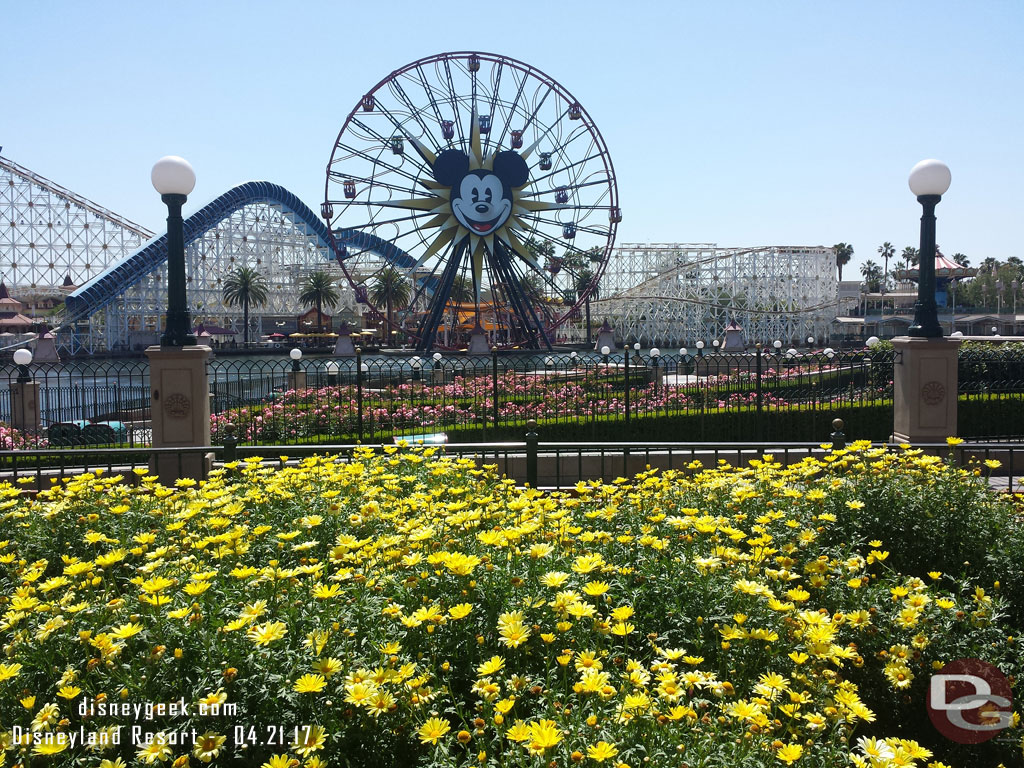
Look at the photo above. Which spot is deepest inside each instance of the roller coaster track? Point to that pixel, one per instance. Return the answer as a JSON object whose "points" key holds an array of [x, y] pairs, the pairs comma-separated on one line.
{"points": [[106, 287]]}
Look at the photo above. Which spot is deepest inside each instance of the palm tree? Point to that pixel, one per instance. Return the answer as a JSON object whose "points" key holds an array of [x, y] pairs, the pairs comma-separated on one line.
{"points": [[246, 287], [886, 251], [910, 257], [319, 289], [843, 252], [391, 289], [872, 274], [583, 280], [461, 293]]}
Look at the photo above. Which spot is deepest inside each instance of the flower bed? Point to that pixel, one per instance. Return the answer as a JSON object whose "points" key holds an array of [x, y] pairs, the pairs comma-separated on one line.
{"points": [[411, 609], [319, 414]]}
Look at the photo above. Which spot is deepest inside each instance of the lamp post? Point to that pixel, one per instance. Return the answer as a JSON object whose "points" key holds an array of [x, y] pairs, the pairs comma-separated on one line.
{"points": [[174, 179], [929, 180], [953, 284]]}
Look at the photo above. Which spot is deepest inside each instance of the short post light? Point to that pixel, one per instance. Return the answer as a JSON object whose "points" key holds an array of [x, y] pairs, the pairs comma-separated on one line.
{"points": [[655, 354], [417, 365], [174, 179], [296, 355], [605, 351], [437, 368], [24, 395], [332, 373], [23, 359], [777, 346], [700, 349], [929, 180]]}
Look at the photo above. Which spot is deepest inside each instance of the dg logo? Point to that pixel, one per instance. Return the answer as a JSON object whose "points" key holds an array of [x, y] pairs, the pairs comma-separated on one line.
{"points": [[969, 701]]}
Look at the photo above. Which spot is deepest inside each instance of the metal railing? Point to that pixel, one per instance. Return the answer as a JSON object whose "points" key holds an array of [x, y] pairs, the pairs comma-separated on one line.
{"points": [[575, 397], [527, 461], [578, 396]]}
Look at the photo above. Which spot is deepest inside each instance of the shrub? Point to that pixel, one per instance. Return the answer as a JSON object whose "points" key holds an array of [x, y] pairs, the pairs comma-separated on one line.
{"points": [[407, 608]]}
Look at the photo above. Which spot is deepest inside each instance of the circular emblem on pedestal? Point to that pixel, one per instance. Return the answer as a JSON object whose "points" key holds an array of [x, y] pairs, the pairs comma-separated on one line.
{"points": [[933, 392], [177, 406]]}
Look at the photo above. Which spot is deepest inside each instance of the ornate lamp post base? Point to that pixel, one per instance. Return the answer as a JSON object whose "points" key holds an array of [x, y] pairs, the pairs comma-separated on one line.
{"points": [[925, 380], [180, 410]]}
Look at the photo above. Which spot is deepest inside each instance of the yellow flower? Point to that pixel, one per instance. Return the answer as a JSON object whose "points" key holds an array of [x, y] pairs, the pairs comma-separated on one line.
{"points": [[69, 692], [954, 440], [328, 667], [495, 664], [125, 631], [326, 591], [790, 753], [460, 611], [601, 751], [512, 629], [310, 684], [156, 750], [7, 671], [309, 739], [544, 734], [554, 579], [267, 633], [208, 746], [54, 747], [278, 761], [432, 730]]}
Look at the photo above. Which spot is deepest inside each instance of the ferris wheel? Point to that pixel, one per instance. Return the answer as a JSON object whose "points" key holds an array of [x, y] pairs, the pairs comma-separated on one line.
{"points": [[470, 194]]}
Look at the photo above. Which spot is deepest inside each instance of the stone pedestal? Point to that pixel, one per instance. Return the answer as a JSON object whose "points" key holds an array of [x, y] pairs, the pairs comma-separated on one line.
{"points": [[344, 347], [297, 379], [605, 338], [180, 406], [46, 349], [25, 406], [478, 344], [925, 381]]}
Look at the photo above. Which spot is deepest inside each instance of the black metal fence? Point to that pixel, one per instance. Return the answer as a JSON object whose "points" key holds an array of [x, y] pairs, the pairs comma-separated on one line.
{"points": [[628, 395], [573, 396], [991, 385], [527, 460]]}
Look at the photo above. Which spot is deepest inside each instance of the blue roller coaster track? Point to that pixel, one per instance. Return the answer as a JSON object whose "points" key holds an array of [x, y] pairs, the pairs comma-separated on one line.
{"points": [[107, 286]]}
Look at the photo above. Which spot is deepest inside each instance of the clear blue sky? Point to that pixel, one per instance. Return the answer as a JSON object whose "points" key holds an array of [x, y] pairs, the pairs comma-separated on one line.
{"points": [[741, 123]]}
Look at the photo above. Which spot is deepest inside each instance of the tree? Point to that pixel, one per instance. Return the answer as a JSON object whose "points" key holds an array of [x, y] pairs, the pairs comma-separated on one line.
{"points": [[843, 252], [461, 293], [391, 289], [886, 251], [248, 288], [872, 274], [318, 289], [910, 257]]}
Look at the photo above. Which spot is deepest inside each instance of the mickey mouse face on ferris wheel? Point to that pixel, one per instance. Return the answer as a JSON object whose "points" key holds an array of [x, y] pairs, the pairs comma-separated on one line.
{"points": [[481, 199]]}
